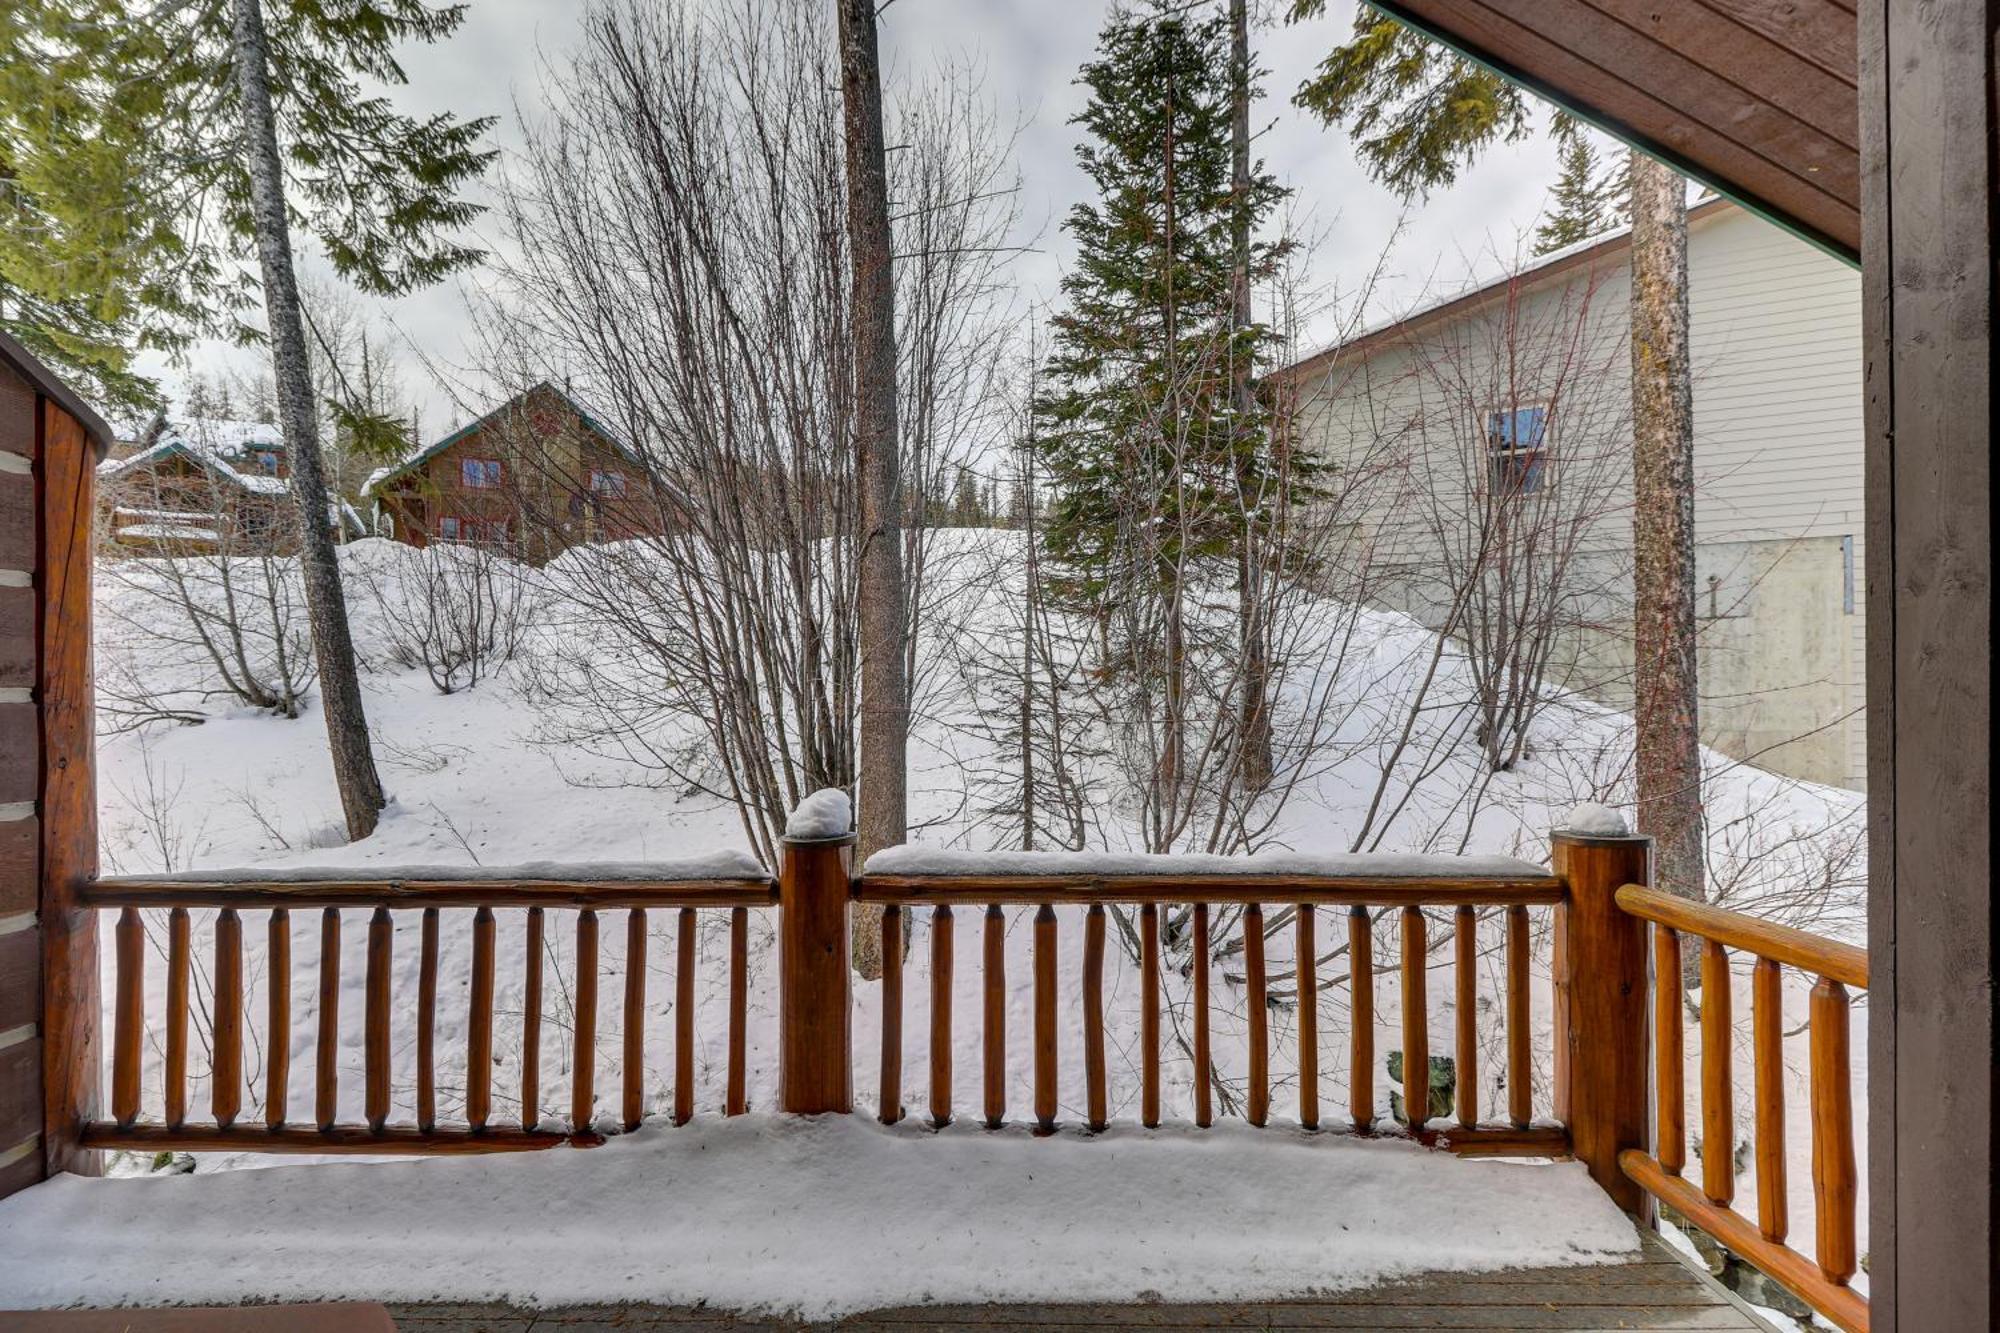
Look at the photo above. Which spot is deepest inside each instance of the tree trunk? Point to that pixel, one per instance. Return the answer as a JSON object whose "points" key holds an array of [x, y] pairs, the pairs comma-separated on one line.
{"points": [[1663, 610], [326, 606], [885, 705], [1254, 718]]}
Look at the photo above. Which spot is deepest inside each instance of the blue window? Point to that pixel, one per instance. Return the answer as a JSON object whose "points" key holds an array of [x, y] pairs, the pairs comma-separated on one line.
{"points": [[448, 528], [479, 473], [1517, 449]]}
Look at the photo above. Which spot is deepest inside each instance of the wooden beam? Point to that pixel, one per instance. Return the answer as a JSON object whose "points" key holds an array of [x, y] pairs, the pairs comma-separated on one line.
{"points": [[1929, 133]]}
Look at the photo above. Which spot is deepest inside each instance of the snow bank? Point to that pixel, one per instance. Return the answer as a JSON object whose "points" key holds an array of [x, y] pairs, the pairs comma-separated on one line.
{"points": [[827, 813], [816, 1218], [723, 864], [1596, 821], [914, 860]]}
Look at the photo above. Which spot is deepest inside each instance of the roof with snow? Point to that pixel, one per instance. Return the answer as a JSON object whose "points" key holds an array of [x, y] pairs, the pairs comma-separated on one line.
{"points": [[225, 449], [1606, 245], [592, 421]]}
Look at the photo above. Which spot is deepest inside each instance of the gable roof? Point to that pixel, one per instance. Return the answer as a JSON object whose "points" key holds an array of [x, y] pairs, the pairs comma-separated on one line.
{"points": [[215, 446], [1607, 247], [46, 383], [418, 457]]}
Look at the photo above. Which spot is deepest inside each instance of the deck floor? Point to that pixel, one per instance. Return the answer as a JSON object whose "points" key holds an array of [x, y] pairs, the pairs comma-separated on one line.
{"points": [[1655, 1291]]}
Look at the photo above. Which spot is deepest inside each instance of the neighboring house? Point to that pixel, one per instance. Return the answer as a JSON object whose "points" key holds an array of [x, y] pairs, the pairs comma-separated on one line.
{"points": [[207, 485], [536, 475], [1516, 397]]}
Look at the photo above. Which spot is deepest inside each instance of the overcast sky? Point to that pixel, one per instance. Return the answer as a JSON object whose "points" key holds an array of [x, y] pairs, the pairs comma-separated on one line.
{"points": [[1029, 51]]}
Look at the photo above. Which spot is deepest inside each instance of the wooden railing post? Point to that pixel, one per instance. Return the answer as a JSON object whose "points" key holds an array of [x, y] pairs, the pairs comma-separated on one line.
{"points": [[815, 1024], [1601, 1027]]}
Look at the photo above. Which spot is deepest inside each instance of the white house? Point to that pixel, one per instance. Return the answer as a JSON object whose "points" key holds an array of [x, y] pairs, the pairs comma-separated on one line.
{"points": [[1509, 405]]}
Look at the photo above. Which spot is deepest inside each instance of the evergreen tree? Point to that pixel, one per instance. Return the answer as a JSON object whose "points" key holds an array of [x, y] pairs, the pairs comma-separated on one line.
{"points": [[1138, 406], [223, 125], [1586, 198]]}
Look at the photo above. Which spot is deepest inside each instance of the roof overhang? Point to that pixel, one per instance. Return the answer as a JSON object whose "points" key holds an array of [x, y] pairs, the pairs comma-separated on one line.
{"points": [[53, 389], [1756, 101]]}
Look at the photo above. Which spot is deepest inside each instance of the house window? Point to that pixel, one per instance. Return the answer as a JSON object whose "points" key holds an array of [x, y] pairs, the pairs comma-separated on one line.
{"points": [[1516, 449], [479, 473], [607, 483], [448, 528], [267, 462]]}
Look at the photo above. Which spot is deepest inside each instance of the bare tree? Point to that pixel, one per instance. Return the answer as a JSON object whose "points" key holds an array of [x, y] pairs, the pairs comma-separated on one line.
{"points": [[1665, 695], [681, 235], [459, 610]]}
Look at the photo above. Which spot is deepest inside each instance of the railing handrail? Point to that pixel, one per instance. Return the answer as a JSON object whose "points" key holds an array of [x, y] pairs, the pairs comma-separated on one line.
{"points": [[281, 891], [1802, 949], [1319, 890]]}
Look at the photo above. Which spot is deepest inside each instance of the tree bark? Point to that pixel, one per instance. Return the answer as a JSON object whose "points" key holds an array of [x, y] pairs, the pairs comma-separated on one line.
{"points": [[1665, 701], [326, 605], [1254, 720], [885, 707]]}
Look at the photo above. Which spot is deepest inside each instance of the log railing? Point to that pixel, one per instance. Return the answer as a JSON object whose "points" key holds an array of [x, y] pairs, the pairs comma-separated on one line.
{"points": [[467, 904], [1821, 1283], [1608, 1102]]}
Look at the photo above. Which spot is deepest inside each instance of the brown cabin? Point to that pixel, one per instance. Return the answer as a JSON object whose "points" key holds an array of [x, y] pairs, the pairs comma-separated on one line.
{"points": [[535, 476], [204, 486]]}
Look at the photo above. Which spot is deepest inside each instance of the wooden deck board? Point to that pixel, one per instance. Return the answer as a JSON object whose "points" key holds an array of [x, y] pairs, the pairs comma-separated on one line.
{"points": [[1655, 1291]]}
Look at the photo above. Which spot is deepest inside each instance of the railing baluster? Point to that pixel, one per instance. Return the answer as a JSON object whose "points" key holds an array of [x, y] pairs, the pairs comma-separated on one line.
{"points": [[941, 961], [1767, 1038], [178, 961], [1096, 1108], [995, 981], [1149, 1014], [1465, 933], [226, 1088], [1668, 1040], [531, 1025], [326, 1073], [684, 942], [1520, 1023], [427, 997], [129, 1018], [1718, 1127], [736, 1100], [890, 1101], [278, 1025], [1204, 1114], [375, 1033], [583, 1058], [479, 1030], [1045, 1018], [1361, 1032], [632, 1070], [1416, 1021], [1306, 967], [1257, 1002], [1833, 1132]]}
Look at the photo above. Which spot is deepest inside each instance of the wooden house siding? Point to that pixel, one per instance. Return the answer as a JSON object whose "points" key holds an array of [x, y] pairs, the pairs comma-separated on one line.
{"points": [[1776, 338]]}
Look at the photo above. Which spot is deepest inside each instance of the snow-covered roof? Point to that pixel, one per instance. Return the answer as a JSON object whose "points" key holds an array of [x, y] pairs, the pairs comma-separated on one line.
{"points": [[592, 421], [1601, 245], [220, 447]]}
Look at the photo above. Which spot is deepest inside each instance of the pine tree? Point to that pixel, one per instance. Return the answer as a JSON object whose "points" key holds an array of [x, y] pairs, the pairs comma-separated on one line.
{"points": [[1587, 199], [225, 122]]}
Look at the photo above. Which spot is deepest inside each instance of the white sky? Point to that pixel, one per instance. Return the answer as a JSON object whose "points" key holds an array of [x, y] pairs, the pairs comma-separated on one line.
{"points": [[1029, 51]]}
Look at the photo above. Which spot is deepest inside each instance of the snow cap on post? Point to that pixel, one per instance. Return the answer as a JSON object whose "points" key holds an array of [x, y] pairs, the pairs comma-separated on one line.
{"points": [[827, 813], [1591, 820]]}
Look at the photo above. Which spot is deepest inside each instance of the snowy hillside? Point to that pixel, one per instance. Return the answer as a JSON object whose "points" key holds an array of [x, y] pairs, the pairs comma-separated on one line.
{"points": [[500, 773]]}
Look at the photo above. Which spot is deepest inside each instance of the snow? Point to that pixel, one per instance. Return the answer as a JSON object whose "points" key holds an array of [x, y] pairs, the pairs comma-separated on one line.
{"points": [[827, 813], [725, 864], [814, 1218], [1596, 821], [920, 860]]}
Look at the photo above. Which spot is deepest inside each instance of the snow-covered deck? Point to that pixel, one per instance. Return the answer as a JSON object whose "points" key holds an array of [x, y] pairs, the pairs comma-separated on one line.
{"points": [[816, 1219]]}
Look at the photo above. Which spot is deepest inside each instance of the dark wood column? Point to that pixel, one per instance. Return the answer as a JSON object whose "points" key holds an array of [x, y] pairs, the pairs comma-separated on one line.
{"points": [[1928, 142]]}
